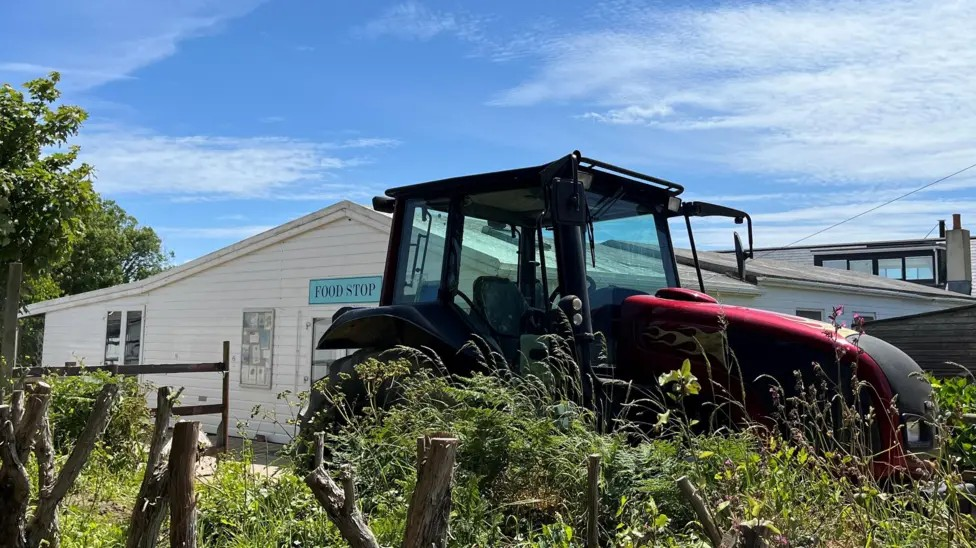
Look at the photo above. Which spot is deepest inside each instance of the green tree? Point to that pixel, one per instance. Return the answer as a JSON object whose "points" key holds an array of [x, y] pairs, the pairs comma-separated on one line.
{"points": [[43, 193], [113, 249]]}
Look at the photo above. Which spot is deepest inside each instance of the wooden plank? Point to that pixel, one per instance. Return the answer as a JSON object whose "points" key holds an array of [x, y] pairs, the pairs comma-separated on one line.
{"points": [[148, 369], [187, 410], [593, 501]]}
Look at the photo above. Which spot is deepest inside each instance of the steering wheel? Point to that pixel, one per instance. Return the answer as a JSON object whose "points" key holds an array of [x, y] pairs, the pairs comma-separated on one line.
{"points": [[590, 286]]}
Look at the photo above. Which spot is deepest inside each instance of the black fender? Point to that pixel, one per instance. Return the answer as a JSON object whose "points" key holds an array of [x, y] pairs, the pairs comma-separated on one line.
{"points": [[442, 328]]}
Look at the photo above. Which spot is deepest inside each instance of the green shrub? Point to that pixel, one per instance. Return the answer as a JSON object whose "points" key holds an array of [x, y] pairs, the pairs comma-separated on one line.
{"points": [[128, 430], [955, 397]]}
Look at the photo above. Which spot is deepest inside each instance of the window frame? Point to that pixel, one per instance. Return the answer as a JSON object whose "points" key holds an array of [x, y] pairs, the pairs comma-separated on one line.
{"points": [[314, 341], [931, 255], [123, 324], [871, 316], [820, 311], [269, 373]]}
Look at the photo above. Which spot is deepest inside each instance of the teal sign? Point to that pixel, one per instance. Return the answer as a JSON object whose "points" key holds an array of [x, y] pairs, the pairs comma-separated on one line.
{"points": [[364, 289]]}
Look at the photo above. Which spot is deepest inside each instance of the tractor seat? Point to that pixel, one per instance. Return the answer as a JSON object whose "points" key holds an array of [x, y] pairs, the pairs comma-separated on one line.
{"points": [[502, 304]]}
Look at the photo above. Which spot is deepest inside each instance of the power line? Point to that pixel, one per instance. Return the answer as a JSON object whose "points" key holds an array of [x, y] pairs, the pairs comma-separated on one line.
{"points": [[877, 207], [931, 231]]}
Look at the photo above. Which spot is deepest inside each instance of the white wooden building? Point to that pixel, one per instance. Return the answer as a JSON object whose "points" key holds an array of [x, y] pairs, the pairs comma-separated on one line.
{"points": [[273, 294]]}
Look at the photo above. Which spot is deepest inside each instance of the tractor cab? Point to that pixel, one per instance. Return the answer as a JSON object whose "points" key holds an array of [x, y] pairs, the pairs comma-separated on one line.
{"points": [[499, 255]]}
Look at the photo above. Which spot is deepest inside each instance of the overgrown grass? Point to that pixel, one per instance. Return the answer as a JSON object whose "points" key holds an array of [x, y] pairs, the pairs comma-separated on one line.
{"points": [[524, 440]]}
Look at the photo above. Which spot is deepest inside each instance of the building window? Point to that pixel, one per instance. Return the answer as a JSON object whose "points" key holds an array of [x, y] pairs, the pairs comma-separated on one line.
{"points": [[866, 316], [919, 268], [322, 360], [257, 337], [810, 314], [128, 350], [865, 266], [890, 268], [835, 263]]}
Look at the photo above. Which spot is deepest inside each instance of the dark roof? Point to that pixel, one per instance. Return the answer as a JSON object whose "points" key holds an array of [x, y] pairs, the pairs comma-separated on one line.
{"points": [[855, 245], [764, 268], [636, 185]]}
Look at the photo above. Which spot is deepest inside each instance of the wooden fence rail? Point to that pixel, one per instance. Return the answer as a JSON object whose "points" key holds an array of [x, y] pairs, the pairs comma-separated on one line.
{"points": [[71, 369]]}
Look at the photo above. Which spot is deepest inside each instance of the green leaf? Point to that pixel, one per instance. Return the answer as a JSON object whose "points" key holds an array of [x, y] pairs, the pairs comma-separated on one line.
{"points": [[706, 454], [722, 506]]}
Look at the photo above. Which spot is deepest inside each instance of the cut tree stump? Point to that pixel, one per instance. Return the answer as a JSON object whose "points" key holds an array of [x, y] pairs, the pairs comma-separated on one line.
{"points": [[428, 517], [182, 467]]}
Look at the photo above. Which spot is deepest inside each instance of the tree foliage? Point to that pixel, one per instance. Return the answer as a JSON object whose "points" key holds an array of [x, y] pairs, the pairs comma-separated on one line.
{"points": [[113, 249], [43, 192]]}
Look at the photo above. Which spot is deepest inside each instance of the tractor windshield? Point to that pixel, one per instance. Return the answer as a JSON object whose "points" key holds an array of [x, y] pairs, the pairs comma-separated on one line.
{"points": [[502, 254]]}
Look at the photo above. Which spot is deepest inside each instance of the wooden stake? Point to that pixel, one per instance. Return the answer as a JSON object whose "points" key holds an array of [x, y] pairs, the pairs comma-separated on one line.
{"points": [[593, 501], [153, 500], [182, 468], [11, 306], [344, 513], [701, 510], [41, 527], [319, 449], [428, 516]]}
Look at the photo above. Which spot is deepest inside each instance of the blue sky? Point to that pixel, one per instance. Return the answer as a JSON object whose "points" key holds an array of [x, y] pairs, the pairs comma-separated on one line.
{"points": [[212, 121]]}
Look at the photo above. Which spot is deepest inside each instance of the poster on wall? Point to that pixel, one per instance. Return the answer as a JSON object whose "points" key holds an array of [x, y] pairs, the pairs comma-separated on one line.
{"points": [[256, 348]]}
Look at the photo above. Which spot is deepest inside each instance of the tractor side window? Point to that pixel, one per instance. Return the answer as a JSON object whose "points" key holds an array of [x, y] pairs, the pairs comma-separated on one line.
{"points": [[629, 260], [421, 257], [488, 273]]}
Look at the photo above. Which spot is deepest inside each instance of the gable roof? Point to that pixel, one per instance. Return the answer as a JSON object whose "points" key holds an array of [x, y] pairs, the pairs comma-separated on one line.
{"points": [[322, 217]]}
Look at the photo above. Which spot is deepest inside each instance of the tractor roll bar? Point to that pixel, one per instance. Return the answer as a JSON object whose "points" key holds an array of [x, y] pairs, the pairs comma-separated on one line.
{"points": [[668, 185]]}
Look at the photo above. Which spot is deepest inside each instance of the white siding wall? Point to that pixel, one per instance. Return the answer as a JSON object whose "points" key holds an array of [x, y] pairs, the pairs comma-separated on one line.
{"points": [[788, 299], [187, 320]]}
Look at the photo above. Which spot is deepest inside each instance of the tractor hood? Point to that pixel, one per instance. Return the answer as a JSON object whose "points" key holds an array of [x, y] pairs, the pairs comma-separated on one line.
{"points": [[770, 343]]}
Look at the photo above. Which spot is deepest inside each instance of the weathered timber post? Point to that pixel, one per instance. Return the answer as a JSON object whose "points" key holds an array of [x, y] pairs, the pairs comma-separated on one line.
{"points": [[182, 468], [151, 504], [340, 505], [593, 501], [14, 485], [428, 517], [11, 306], [224, 431], [43, 526]]}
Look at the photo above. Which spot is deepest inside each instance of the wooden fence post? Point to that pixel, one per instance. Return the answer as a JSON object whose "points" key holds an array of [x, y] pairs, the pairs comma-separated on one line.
{"points": [[428, 517], [147, 514], [224, 430], [11, 306], [701, 509], [593, 501], [182, 468]]}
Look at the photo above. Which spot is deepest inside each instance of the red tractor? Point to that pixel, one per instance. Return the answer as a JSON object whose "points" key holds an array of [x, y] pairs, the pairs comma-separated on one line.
{"points": [[499, 255]]}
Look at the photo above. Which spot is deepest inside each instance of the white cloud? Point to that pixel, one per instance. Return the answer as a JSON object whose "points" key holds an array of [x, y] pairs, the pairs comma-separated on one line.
{"points": [[839, 91], [92, 43], [414, 21], [198, 167]]}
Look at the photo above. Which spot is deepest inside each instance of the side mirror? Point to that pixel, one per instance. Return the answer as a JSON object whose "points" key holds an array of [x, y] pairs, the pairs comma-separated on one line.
{"points": [[383, 204], [567, 202], [740, 256]]}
